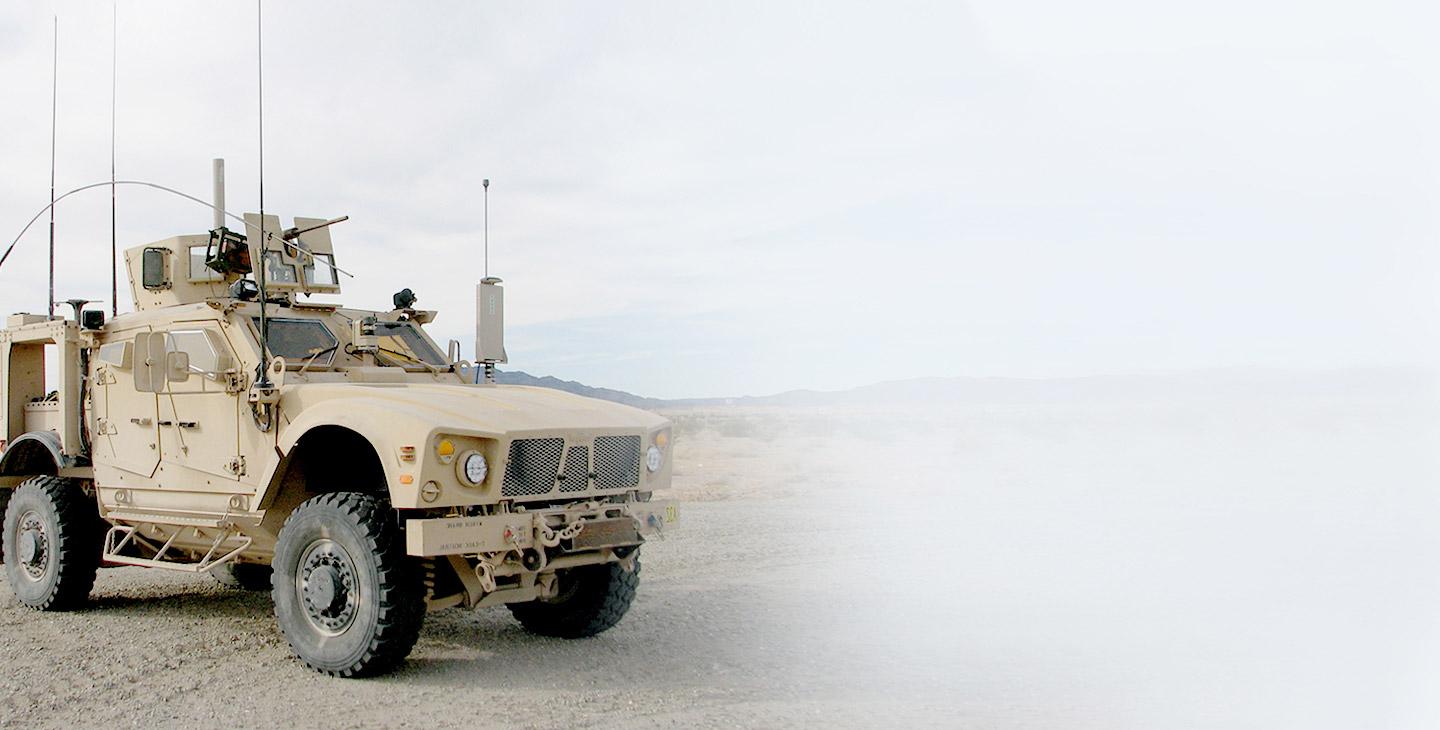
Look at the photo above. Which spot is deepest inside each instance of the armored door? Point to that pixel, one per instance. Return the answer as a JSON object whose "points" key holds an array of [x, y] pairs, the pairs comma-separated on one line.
{"points": [[198, 411], [125, 440]]}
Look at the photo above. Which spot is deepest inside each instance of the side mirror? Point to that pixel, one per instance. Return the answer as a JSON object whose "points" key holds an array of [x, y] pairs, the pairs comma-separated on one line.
{"points": [[452, 353], [177, 366], [150, 362]]}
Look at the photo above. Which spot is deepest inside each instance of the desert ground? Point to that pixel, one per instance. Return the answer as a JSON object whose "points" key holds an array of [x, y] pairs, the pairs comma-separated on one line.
{"points": [[1242, 563]]}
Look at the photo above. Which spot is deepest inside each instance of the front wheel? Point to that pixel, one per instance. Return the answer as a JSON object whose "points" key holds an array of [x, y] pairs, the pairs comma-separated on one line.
{"points": [[591, 599], [348, 598], [51, 543]]}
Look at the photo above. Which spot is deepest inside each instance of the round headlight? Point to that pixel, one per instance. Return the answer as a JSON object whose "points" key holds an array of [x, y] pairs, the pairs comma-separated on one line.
{"points": [[473, 469], [653, 458]]}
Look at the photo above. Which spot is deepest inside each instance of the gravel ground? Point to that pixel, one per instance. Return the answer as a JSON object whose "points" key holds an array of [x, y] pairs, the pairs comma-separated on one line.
{"points": [[723, 633], [1100, 566]]}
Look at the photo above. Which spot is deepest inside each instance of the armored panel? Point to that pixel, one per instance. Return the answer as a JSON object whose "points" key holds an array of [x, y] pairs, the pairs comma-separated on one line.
{"points": [[315, 254], [281, 270]]}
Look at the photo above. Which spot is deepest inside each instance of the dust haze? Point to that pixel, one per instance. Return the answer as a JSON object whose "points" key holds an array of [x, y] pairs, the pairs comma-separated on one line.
{"points": [[1219, 552]]}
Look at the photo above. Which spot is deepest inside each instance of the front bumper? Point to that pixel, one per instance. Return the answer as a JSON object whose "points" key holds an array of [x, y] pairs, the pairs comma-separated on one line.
{"points": [[573, 528]]}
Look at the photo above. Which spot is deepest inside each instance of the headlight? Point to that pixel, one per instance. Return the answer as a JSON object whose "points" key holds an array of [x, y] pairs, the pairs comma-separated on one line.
{"points": [[473, 469], [653, 457]]}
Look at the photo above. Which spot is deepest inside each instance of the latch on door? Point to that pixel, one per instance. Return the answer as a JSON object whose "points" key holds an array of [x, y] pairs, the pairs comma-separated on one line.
{"points": [[236, 466]]}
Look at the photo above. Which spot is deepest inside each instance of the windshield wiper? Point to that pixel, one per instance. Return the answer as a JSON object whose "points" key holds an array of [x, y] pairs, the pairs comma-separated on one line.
{"points": [[402, 359], [315, 355]]}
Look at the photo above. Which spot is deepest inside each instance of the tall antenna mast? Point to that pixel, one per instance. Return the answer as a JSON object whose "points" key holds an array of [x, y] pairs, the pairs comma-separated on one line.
{"points": [[114, 54], [486, 185], [264, 379], [54, 88]]}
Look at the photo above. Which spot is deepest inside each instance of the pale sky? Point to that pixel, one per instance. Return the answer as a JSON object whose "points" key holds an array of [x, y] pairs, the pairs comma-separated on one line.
{"points": [[743, 198]]}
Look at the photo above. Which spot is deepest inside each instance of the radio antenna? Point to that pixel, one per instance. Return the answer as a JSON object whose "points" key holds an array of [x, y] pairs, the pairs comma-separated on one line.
{"points": [[114, 54], [54, 89], [486, 185], [264, 379]]}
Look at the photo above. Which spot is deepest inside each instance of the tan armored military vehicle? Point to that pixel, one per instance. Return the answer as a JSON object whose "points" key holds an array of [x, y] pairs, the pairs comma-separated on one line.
{"points": [[334, 456]]}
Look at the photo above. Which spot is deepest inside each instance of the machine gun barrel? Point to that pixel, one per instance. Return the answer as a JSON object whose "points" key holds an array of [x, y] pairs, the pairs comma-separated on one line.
{"points": [[294, 233]]}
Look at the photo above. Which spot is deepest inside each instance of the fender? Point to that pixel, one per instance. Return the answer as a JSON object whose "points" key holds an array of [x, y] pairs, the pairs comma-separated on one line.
{"points": [[21, 454], [376, 421]]}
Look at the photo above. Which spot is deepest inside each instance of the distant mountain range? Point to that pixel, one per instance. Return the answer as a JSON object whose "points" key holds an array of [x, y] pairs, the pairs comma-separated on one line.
{"points": [[1166, 387]]}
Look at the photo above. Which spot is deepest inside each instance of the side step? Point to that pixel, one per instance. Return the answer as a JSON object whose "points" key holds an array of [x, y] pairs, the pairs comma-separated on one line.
{"points": [[161, 519], [122, 536]]}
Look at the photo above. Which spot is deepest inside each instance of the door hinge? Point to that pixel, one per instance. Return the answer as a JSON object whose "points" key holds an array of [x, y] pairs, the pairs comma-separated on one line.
{"points": [[234, 382]]}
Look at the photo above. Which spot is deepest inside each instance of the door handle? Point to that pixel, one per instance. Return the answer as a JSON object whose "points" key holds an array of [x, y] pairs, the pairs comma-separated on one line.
{"points": [[167, 423], [188, 424], [140, 421]]}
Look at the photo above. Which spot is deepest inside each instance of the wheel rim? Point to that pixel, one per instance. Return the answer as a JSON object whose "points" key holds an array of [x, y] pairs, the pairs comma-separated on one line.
{"points": [[32, 544], [327, 587]]}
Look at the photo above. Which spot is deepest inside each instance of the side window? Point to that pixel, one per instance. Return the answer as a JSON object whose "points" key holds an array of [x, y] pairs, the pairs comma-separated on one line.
{"points": [[320, 269], [206, 356], [198, 270]]}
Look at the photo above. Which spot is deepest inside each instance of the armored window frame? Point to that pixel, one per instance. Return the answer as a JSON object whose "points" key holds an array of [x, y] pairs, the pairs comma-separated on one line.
{"points": [[405, 345], [282, 346], [154, 272]]}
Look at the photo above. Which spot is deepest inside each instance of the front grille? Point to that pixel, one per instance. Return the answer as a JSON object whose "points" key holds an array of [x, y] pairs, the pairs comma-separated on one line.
{"points": [[532, 467], [617, 462], [576, 477]]}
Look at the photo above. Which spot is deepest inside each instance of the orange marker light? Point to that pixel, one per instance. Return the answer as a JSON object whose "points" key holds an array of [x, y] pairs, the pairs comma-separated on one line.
{"points": [[407, 479]]}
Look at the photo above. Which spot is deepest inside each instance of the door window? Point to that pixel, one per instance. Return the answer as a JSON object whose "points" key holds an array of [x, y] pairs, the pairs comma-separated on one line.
{"points": [[207, 356]]}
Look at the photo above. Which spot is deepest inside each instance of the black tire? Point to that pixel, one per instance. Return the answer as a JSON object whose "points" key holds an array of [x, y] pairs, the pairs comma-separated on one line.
{"points": [[592, 598], [52, 538], [4, 503], [243, 576], [356, 607]]}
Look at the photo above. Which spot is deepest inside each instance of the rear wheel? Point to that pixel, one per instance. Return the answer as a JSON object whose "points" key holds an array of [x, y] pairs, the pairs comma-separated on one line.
{"points": [[591, 599], [348, 598], [52, 543], [244, 576]]}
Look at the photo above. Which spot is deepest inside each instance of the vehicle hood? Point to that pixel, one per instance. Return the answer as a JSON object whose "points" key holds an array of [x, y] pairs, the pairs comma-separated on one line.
{"points": [[491, 410]]}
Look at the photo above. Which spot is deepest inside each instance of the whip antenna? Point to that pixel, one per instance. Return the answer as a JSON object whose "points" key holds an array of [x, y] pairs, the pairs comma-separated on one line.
{"points": [[264, 380], [54, 88], [114, 53], [486, 185]]}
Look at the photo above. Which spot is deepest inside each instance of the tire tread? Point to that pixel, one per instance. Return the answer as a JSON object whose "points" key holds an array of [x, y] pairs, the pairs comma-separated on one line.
{"points": [[401, 605], [602, 599], [78, 541]]}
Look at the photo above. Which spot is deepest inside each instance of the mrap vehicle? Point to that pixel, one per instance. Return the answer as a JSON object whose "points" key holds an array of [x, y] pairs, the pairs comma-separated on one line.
{"points": [[336, 457]]}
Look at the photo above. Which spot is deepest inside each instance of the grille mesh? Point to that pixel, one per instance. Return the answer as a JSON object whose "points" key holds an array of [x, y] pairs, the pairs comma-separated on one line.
{"points": [[577, 470], [617, 462], [532, 467]]}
